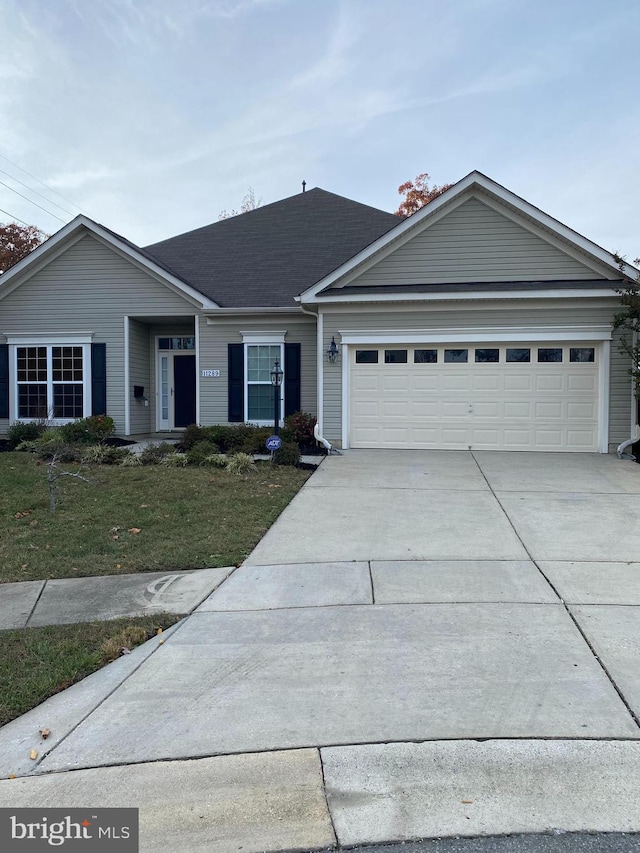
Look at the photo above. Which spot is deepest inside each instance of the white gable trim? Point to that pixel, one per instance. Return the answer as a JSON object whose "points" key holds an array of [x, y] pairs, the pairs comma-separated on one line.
{"points": [[74, 231], [464, 188], [462, 296]]}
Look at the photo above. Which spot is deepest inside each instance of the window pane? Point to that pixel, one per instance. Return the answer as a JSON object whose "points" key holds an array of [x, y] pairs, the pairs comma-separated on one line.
{"points": [[582, 354], [32, 401], [425, 356], [456, 356], [366, 356], [550, 354], [164, 343], [261, 403], [32, 364], [67, 401], [164, 386], [67, 364], [487, 355], [260, 361], [518, 355], [395, 356]]}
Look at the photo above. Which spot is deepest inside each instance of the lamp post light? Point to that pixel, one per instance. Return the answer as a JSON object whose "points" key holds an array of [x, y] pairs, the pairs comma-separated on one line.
{"points": [[276, 380]]}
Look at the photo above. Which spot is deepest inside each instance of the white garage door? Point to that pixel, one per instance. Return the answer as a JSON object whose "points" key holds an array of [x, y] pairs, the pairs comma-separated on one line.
{"points": [[539, 396]]}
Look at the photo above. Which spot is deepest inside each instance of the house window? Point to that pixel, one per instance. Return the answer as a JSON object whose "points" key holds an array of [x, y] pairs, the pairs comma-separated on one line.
{"points": [[425, 356], [456, 356], [51, 382], [366, 356], [260, 361], [582, 354], [177, 343], [546, 354], [395, 356], [486, 356], [518, 355]]}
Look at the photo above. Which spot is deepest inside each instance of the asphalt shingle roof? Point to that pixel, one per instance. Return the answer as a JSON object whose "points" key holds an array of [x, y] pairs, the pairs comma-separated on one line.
{"points": [[266, 257]]}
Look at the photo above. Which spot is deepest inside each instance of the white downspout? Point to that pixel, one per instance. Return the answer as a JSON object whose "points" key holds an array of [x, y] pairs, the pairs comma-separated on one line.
{"points": [[317, 430]]}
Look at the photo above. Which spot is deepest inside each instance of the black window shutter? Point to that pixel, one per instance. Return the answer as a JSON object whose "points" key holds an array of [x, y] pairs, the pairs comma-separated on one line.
{"points": [[4, 380], [236, 383], [98, 379], [291, 379]]}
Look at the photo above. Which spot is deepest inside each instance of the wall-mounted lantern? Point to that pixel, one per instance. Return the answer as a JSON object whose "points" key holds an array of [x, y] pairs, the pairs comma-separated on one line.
{"points": [[333, 352]]}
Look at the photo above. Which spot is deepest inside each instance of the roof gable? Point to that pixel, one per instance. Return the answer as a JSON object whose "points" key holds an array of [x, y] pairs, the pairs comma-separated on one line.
{"points": [[475, 232]]}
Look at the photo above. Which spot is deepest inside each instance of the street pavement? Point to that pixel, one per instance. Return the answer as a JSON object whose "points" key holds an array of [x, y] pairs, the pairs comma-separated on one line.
{"points": [[425, 644]]}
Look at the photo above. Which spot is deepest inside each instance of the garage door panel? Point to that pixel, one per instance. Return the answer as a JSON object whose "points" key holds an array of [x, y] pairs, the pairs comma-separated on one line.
{"points": [[516, 405]]}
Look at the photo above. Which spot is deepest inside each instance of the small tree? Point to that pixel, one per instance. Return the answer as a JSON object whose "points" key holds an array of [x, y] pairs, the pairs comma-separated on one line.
{"points": [[628, 321], [418, 193], [249, 202], [16, 241]]}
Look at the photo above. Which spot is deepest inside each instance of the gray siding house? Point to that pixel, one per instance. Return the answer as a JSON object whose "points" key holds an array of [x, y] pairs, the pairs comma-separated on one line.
{"points": [[479, 322]]}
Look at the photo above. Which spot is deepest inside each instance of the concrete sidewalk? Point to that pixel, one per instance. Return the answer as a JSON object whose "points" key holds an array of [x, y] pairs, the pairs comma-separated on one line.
{"points": [[65, 601], [423, 645]]}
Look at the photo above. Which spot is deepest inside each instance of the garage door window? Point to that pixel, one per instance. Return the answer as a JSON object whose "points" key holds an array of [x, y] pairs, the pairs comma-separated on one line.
{"points": [[395, 356], [518, 356], [456, 356], [487, 356], [425, 356], [366, 356], [582, 354], [550, 354]]}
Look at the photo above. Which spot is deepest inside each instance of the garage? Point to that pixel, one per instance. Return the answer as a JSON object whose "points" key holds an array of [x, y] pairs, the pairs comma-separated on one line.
{"points": [[483, 396]]}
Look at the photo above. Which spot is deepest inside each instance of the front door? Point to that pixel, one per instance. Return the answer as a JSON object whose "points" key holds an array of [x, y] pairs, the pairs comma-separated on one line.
{"points": [[176, 390]]}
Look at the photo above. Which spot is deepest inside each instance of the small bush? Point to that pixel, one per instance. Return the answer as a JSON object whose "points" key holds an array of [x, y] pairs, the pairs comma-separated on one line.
{"points": [[199, 452], [131, 460], [240, 464], [101, 454], [20, 431], [193, 435], [60, 449], [100, 427], [255, 442], [301, 426], [289, 454], [174, 460], [216, 460], [76, 432], [153, 454]]}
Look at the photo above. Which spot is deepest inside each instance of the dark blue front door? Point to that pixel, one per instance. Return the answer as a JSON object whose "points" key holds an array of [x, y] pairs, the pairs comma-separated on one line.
{"points": [[184, 380]]}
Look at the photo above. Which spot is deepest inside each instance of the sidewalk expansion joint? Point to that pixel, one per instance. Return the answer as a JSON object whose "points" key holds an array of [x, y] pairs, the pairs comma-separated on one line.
{"points": [[326, 799], [35, 603], [588, 643], [373, 591]]}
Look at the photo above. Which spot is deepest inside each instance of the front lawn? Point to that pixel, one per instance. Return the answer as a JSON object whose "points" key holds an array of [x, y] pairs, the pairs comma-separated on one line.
{"points": [[139, 519], [36, 663]]}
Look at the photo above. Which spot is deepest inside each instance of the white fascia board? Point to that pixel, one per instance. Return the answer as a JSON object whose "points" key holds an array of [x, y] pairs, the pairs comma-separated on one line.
{"points": [[472, 180], [263, 337], [75, 229], [40, 339], [476, 334], [212, 313], [458, 296]]}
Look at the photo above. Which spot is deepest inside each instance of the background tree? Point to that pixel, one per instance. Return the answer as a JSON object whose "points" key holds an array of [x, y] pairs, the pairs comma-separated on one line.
{"points": [[249, 202], [417, 193], [628, 321], [16, 241]]}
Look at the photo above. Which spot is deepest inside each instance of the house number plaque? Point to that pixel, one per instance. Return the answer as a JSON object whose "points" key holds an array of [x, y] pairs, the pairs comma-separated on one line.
{"points": [[206, 373]]}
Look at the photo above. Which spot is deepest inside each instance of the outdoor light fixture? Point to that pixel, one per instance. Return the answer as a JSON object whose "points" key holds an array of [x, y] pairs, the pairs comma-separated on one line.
{"points": [[276, 380], [333, 352]]}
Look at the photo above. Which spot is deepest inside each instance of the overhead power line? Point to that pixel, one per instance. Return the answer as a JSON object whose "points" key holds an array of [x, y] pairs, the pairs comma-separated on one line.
{"points": [[31, 190], [17, 219], [51, 189], [26, 198]]}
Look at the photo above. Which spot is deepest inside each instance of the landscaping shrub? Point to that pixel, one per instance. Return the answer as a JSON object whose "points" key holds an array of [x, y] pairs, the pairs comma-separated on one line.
{"points": [[289, 454], [21, 431], [153, 454], [199, 452], [174, 460], [217, 460], [241, 464], [300, 425], [91, 430], [192, 435], [255, 442], [102, 454], [131, 460]]}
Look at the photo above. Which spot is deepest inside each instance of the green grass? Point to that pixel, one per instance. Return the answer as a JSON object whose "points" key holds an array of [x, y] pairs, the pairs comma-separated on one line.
{"points": [[36, 663], [187, 517]]}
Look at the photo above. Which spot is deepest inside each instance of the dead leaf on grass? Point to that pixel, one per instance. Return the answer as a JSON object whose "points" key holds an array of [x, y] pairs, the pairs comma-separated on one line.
{"points": [[144, 506], [25, 513], [33, 523], [135, 530]]}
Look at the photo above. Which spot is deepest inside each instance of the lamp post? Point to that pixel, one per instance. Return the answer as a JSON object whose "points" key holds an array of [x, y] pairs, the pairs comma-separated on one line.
{"points": [[276, 380]]}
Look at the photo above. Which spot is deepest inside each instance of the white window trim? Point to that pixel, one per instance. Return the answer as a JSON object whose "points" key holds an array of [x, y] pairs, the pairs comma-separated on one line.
{"points": [[49, 342], [251, 340]]}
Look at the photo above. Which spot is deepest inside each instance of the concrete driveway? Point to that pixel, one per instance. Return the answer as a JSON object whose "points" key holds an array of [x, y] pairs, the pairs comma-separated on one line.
{"points": [[446, 641]]}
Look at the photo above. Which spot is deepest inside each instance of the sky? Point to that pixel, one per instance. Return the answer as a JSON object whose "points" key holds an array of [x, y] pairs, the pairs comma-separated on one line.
{"points": [[153, 116]]}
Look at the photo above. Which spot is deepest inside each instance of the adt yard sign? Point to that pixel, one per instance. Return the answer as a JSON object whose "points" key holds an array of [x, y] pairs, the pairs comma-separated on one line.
{"points": [[274, 442]]}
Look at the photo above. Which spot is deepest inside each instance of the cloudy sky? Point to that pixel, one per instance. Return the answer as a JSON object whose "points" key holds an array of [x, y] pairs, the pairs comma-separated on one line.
{"points": [[152, 116]]}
